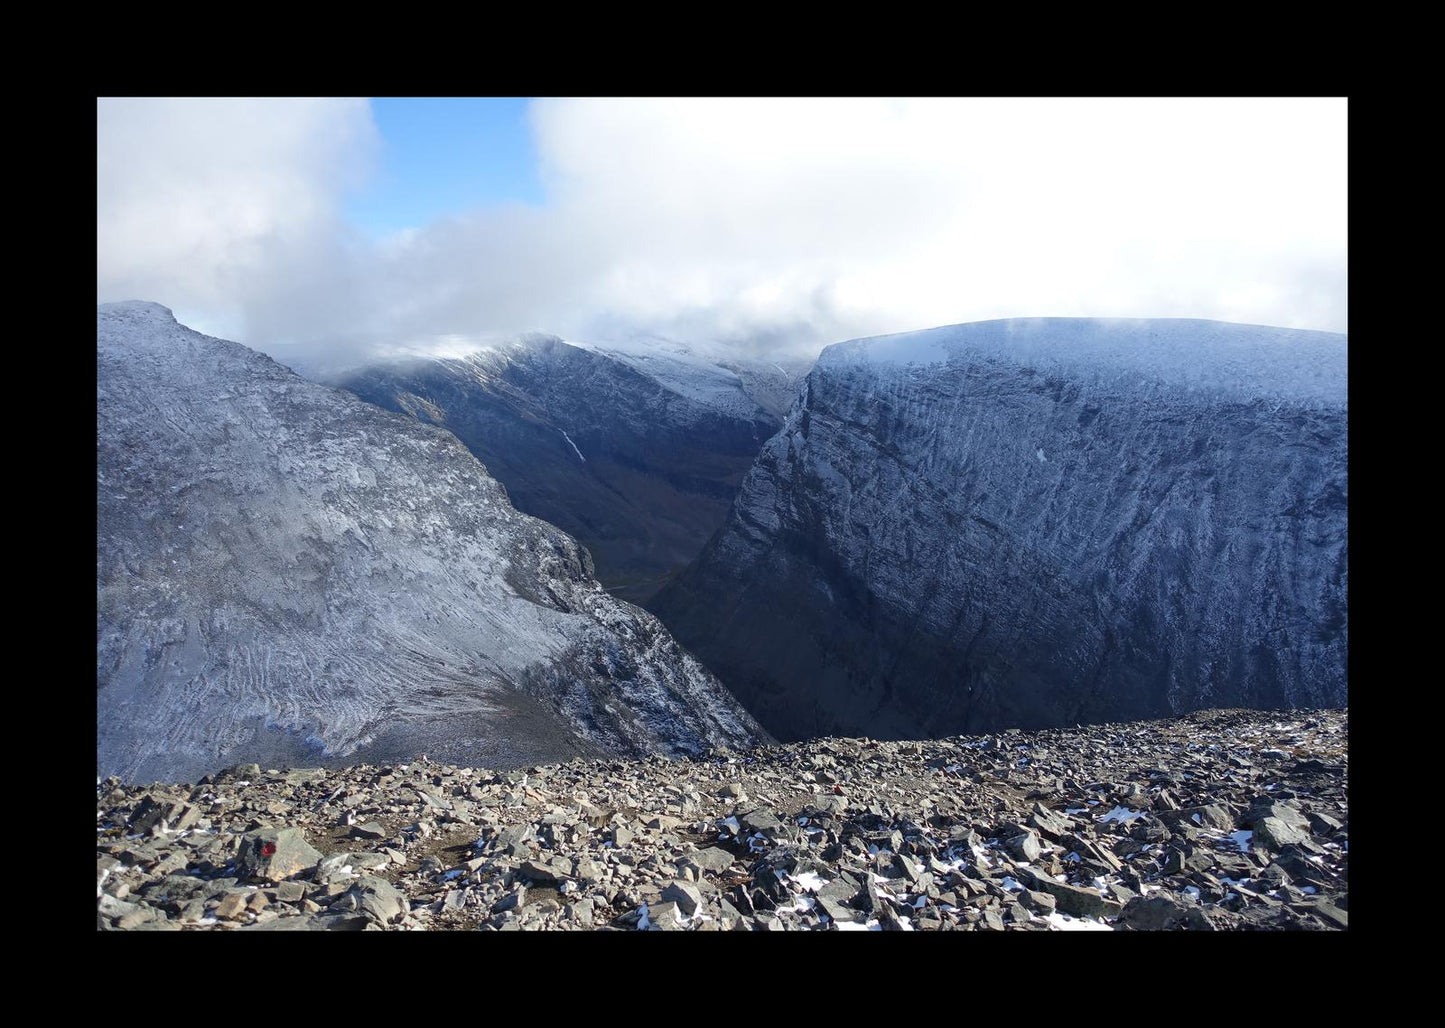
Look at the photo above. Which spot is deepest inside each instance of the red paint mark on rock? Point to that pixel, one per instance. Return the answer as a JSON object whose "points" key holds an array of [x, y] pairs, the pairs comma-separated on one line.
{"points": [[268, 849]]}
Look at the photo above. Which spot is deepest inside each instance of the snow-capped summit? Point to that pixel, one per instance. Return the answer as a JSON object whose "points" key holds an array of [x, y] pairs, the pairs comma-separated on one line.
{"points": [[1250, 361]]}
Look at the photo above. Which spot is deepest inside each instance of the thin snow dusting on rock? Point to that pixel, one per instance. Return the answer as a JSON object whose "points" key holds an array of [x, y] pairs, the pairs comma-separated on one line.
{"points": [[1249, 361], [1037, 522], [290, 575], [636, 452]]}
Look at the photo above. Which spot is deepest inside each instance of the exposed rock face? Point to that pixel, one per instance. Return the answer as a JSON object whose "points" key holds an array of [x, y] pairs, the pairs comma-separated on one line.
{"points": [[1143, 826], [1036, 523], [289, 575], [636, 454]]}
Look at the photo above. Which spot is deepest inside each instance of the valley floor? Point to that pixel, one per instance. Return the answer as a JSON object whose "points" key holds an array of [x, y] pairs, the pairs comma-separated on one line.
{"points": [[1226, 819]]}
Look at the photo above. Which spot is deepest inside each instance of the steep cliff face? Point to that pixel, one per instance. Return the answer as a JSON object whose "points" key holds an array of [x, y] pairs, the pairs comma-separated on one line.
{"points": [[286, 574], [1034, 523], [637, 453]]}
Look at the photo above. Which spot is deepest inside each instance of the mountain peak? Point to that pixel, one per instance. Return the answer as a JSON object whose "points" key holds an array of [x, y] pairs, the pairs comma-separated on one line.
{"points": [[136, 310], [1218, 357]]}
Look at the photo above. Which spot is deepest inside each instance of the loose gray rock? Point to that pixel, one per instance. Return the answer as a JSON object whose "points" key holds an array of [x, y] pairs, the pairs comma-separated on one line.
{"points": [[685, 895], [1273, 833], [1072, 899], [376, 898], [276, 853]]}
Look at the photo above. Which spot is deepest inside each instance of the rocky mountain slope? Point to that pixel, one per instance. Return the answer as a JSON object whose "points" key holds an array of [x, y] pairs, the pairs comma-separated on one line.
{"points": [[636, 451], [1037, 523], [1218, 820], [289, 575]]}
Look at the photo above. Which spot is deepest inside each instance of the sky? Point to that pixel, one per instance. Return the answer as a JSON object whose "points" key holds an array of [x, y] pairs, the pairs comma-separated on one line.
{"points": [[329, 231]]}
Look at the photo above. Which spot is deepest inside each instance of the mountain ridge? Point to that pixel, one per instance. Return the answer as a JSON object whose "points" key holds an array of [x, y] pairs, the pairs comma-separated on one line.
{"points": [[286, 571], [636, 454], [956, 532]]}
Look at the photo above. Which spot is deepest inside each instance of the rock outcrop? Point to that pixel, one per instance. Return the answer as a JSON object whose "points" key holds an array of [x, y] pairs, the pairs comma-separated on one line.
{"points": [[1037, 523], [636, 453], [286, 574]]}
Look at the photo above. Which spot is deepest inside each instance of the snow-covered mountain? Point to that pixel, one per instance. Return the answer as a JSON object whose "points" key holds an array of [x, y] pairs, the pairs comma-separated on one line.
{"points": [[634, 448], [1036, 523], [286, 574]]}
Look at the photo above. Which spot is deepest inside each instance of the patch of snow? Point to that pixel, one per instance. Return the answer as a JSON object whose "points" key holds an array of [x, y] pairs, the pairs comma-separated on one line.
{"points": [[574, 446], [1122, 814], [810, 881]]}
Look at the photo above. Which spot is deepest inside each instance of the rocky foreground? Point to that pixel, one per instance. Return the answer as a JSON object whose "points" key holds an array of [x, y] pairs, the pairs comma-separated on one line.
{"points": [[1218, 820]]}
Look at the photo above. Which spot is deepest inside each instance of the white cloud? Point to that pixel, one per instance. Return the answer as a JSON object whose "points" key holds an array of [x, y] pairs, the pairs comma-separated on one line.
{"points": [[204, 204], [751, 220]]}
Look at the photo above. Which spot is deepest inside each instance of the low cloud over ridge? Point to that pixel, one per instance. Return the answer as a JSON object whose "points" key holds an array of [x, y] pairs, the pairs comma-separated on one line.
{"points": [[756, 223]]}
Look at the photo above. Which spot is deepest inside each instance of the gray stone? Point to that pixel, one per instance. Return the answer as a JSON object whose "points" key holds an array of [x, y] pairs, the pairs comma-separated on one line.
{"points": [[552, 871], [1286, 811], [148, 813], [1025, 847], [512, 901], [713, 860], [835, 909], [685, 895], [288, 892], [1327, 910], [232, 907], [1042, 902], [1324, 824], [906, 867], [276, 853], [1072, 899], [582, 913], [138, 917], [1274, 834], [761, 820], [889, 920], [1156, 913], [1210, 815], [1049, 822], [370, 830], [664, 917], [376, 898], [1122, 892]]}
